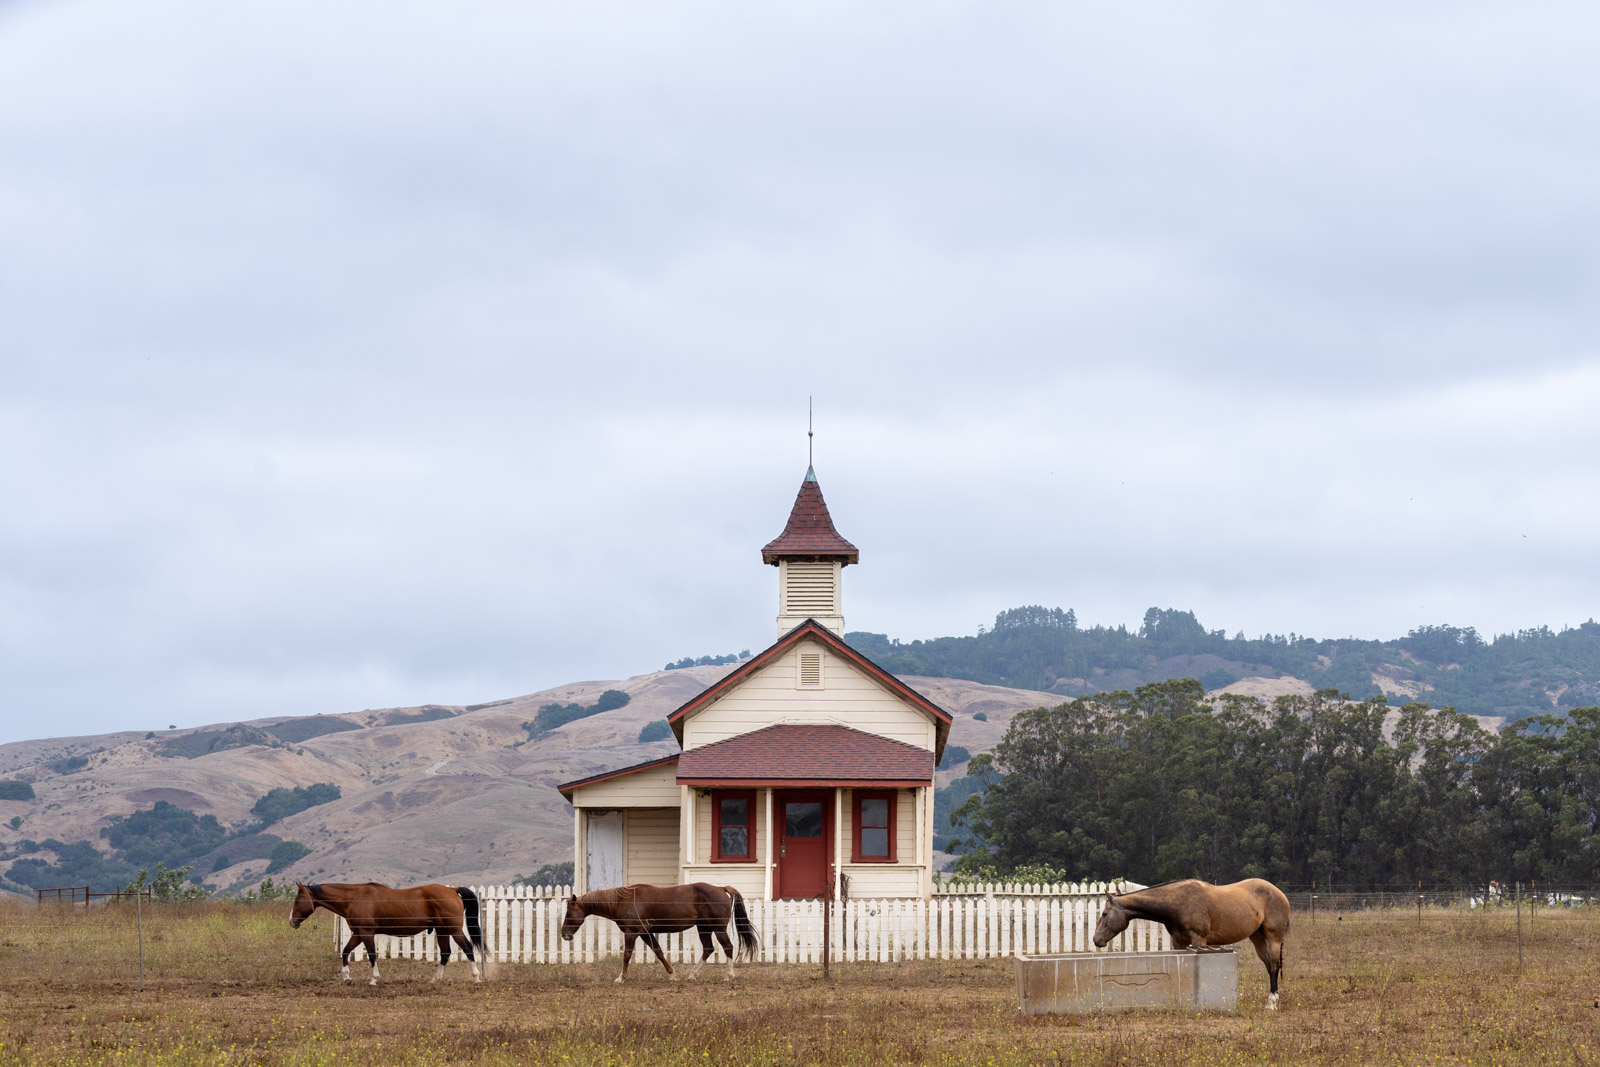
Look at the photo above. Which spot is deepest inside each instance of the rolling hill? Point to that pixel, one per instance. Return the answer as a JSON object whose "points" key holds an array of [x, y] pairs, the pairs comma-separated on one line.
{"points": [[454, 793]]}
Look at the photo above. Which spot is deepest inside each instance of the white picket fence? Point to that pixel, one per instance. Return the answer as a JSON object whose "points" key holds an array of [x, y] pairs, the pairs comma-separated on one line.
{"points": [[522, 924]]}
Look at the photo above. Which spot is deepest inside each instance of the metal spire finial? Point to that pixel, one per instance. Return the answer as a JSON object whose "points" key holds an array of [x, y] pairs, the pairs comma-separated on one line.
{"points": [[810, 435]]}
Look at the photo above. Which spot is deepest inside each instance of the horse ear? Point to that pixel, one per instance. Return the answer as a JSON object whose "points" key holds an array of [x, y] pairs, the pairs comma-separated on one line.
{"points": [[572, 898]]}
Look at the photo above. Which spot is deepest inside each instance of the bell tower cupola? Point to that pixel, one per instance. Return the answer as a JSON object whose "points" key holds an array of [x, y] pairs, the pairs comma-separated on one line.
{"points": [[810, 557]]}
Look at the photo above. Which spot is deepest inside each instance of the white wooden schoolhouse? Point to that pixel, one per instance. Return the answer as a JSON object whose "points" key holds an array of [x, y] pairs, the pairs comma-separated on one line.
{"points": [[807, 766]]}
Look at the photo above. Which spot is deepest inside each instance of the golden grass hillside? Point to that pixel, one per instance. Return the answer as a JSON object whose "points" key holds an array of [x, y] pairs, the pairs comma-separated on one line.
{"points": [[232, 984], [466, 798]]}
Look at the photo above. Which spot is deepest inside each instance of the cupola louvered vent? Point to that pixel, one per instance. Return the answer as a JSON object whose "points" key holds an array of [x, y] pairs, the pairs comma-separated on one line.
{"points": [[811, 670], [810, 588]]}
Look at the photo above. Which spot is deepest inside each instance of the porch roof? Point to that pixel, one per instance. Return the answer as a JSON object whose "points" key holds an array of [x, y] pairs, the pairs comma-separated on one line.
{"points": [[566, 789], [799, 754]]}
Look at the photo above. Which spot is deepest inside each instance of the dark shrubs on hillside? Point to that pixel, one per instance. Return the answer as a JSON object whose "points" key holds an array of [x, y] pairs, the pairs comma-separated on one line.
{"points": [[708, 661], [285, 853], [282, 803], [15, 790], [1529, 672], [203, 742], [295, 731], [655, 731], [163, 832], [553, 715]]}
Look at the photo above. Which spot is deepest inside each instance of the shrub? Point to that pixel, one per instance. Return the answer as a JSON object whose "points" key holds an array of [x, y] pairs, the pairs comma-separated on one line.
{"points": [[655, 731], [611, 700], [16, 790], [285, 853], [295, 731], [282, 803], [553, 715], [982, 716], [954, 754], [269, 891], [169, 885], [551, 874]]}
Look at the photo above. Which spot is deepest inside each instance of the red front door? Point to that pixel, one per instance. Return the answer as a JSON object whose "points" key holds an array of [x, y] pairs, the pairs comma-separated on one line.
{"points": [[803, 828]]}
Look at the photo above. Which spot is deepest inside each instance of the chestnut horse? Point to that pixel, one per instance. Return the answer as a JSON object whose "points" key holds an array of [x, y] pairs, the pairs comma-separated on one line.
{"points": [[1198, 914], [371, 909], [644, 911]]}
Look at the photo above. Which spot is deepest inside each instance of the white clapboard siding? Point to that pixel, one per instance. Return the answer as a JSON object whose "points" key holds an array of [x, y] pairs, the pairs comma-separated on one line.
{"points": [[522, 924], [772, 695]]}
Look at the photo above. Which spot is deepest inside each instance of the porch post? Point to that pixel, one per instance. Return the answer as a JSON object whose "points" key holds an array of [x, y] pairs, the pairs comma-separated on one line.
{"points": [[925, 840], [838, 839], [686, 829], [580, 862], [767, 852]]}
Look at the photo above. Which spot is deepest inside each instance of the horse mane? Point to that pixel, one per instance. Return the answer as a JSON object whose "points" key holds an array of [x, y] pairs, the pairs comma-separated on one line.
{"points": [[622, 894], [1158, 885]]}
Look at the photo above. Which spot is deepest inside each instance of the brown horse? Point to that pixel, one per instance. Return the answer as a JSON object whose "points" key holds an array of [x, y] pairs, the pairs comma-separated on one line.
{"points": [[1198, 913], [371, 909], [644, 911]]}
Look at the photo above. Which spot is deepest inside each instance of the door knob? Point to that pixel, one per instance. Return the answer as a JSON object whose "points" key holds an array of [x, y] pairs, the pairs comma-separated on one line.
{"points": [[783, 850]]}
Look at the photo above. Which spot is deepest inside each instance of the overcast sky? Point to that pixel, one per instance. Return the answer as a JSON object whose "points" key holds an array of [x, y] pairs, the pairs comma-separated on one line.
{"points": [[356, 355]]}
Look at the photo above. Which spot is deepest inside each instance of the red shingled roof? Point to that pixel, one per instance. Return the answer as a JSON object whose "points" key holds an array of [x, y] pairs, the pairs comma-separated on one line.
{"points": [[813, 755], [810, 531]]}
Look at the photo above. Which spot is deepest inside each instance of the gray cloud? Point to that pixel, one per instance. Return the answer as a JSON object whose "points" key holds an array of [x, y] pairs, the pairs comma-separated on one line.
{"points": [[353, 356]]}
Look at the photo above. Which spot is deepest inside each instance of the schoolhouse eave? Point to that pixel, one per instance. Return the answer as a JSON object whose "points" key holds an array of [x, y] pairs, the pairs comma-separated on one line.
{"points": [[810, 629]]}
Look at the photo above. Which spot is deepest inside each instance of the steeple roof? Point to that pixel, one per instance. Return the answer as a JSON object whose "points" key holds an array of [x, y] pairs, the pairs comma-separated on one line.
{"points": [[810, 532]]}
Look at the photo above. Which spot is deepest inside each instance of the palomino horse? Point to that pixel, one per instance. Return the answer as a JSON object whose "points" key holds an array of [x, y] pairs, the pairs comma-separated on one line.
{"points": [[1198, 913], [644, 911], [371, 909]]}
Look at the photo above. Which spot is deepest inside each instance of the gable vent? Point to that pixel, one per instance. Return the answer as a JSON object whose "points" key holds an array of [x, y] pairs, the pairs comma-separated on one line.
{"points": [[809, 588], [811, 670]]}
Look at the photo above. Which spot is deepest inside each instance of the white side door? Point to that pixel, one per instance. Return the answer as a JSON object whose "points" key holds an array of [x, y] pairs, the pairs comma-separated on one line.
{"points": [[603, 864]]}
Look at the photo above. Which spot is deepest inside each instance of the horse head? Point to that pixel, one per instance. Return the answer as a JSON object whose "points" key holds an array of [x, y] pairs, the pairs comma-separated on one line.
{"points": [[1114, 919], [304, 905], [574, 918]]}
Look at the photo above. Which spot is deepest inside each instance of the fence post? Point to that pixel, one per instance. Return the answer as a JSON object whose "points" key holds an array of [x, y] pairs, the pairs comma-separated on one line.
{"points": [[138, 911]]}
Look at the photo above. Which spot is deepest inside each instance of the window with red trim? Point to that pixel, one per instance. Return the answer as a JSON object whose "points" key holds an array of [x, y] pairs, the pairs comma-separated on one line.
{"points": [[733, 826], [872, 822]]}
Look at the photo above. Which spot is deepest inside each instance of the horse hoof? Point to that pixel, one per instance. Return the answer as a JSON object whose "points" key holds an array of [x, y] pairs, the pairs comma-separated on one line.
{"points": [[1272, 1002], [617, 980], [349, 981]]}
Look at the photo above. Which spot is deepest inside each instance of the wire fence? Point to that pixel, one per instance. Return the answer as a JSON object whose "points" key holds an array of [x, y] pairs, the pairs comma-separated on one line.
{"points": [[248, 944]]}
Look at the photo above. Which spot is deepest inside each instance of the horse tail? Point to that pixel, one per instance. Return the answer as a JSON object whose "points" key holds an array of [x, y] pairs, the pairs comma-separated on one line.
{"points": [[749, 940], [472, 919]]}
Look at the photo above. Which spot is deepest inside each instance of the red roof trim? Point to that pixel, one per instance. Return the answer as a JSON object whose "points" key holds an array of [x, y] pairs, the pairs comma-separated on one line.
{"points": [[567, 788], [810, 628], [798, 783]]}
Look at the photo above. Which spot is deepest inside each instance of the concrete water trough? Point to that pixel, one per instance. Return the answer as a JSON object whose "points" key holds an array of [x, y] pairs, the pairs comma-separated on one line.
{"points": [[1077, 983]]}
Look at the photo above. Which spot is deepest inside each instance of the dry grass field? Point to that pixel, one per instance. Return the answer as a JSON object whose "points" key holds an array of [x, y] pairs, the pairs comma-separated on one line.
{"points": [[232, 984]]}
